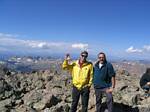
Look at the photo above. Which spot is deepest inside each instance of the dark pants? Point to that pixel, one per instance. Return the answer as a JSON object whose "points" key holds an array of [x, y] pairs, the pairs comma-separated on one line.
{"points": [[99, 93], [84, 98]]}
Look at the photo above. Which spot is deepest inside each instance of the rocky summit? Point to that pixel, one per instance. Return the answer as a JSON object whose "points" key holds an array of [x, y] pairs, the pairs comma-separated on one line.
{"points": [[50, 91]]}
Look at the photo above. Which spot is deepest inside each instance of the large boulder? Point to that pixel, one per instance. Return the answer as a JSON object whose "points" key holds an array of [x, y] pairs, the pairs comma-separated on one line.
{"points": [[47, 101], [32, 97]]}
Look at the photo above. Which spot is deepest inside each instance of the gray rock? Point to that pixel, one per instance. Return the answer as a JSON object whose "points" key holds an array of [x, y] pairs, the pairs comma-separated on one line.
{"points": [[32, 97], [47, 101]]}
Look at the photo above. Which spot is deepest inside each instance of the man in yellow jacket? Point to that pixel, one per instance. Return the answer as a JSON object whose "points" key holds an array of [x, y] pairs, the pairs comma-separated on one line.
{"points": [[82, 76]]}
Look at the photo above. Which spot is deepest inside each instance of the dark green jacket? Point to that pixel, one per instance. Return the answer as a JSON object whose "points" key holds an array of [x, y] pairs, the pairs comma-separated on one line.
{"points": [[103, 75]]}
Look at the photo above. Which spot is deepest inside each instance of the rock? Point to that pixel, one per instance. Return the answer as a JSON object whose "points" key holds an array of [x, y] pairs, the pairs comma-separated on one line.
{"points": [[50, 91], [6, 105], [39, 106], [47, 76], [67, 98], [124, 87], [22, 108], [32, 97], [61, 107], [123, 72], [135, 99], [44, 102], [39, 84], [19, 102], [47, 101], [3, 109], [5, 90]]}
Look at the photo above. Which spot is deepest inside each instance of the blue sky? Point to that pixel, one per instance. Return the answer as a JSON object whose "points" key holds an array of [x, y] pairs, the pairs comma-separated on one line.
{"points": [[118, 27]]}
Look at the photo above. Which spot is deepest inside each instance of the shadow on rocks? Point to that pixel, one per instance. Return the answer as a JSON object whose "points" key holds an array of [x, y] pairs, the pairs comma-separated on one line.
{"points": [[119, 107]]}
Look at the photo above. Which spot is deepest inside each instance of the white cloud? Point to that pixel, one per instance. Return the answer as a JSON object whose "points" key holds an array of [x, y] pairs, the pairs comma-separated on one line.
{"points": [[30, 43], [8, 35], [12, 42], [44, 45], [80, 46], [9, 40], [131, 49], [146, 47]]}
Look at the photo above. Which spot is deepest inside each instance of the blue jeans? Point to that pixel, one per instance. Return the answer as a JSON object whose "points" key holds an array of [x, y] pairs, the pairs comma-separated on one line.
{"points": [[99, 93]]}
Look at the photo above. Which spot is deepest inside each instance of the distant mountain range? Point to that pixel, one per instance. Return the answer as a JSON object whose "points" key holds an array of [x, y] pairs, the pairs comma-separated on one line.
{"points": [[7, 55]]}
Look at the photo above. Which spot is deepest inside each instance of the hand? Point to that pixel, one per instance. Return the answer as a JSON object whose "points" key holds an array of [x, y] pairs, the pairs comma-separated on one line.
{"points": [[148, 83], [67, 57], [96, 62], [109, 90]]}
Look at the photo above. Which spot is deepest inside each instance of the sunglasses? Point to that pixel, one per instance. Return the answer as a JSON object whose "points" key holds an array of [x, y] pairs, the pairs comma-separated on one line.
{"points": [[85, 56], [101, 57]]}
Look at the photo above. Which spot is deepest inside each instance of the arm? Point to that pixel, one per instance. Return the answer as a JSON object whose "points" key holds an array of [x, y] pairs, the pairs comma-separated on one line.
{"points": [[67, 66], [91, 76], [111, 89], [113, 80], [143, 80], [112, 74]]}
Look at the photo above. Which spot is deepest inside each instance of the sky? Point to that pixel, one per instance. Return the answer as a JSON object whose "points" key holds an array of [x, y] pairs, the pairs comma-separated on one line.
{"points": [[120, 28]]}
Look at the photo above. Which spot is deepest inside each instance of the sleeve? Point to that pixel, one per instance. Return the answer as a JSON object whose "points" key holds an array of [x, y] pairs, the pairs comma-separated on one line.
{"points": [[67, 66], [91, 75], [111, 71], [143, 80]]}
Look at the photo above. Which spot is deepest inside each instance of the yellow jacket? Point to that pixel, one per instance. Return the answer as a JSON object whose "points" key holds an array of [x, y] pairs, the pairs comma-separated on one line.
{"points": [[81, 77]]}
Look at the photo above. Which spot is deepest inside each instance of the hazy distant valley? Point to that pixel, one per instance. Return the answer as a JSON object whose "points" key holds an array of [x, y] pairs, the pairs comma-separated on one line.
{"points": [[28, 64]]}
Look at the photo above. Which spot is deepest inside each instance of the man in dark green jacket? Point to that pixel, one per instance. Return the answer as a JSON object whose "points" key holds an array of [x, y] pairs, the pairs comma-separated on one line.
{"points": [[104, 82]]}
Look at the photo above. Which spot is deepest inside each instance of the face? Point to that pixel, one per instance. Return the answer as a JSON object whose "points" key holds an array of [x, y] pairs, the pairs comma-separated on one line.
{"points": [[83, 57], [101, 58]]}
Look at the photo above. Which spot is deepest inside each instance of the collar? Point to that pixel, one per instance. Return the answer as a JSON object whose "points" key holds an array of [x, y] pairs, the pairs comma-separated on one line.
{"points": [[81, 64], [97, 64]]}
